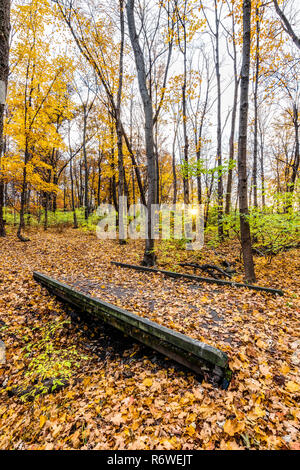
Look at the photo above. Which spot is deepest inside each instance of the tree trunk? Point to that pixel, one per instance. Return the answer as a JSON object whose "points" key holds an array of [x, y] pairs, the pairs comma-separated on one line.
{"points": [[75, 223], [113, 183], [121, 215], [286, 24], [46, 204], [242, 147], [233, 122], [86, 169], [4, 71], [99, 182], [219, 127], [174, 177], [231, 151], [295, 166], [149, 255], [262, 167], [257, 64], [23, 197], [185, 134]]}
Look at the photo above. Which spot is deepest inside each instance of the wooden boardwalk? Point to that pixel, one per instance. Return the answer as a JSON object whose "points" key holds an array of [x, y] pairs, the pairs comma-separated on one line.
{"points": [[197, 356]]}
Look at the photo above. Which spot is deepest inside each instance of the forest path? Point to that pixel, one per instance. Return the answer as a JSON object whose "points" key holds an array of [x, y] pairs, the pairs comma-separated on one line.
{"points": [[124, 397]]}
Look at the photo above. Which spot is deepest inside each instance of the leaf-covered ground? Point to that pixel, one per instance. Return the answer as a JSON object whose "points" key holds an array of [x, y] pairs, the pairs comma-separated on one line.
{"points": [[125, 396]]}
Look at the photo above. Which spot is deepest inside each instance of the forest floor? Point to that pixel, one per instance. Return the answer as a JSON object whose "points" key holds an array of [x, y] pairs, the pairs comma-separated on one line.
{"points": [[125, 396]]}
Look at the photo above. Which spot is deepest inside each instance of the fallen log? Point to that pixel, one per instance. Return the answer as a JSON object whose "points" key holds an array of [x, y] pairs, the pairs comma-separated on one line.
{"points": [[228, 267], [201, 358], [209, 280], [207, 268], [31, 392], [268, 250]]}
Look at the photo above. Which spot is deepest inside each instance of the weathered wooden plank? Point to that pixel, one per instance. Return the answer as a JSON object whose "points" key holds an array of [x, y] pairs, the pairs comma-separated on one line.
{"points": [[198, 356], [208, 280]]}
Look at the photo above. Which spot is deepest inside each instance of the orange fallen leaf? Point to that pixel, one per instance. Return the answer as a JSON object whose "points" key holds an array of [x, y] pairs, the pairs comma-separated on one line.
{"points": [[191, 430], [233, 426]]}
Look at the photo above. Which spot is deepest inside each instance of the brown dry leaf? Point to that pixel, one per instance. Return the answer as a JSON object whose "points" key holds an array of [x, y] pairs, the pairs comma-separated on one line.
{"points": [[118, 385], [260, 344], [230, 445]]}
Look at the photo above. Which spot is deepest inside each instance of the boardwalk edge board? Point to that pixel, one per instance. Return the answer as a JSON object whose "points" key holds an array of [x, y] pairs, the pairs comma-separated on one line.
{"points": [[199, 357], [191, 277]]}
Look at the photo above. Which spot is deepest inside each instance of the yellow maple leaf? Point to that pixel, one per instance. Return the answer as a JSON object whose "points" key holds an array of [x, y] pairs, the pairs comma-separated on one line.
{"points": [[259, 412], [147, 382], [191, 418], [292, 386], [43, 419], [191, 430], [284, 369]]}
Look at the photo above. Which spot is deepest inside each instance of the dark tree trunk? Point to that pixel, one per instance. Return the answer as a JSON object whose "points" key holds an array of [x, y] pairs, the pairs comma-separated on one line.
{"points": [[99, 183], [286, 24], [296, 161], [186, 179], [255, 148], [219, 127], [46, 205], [262, 167], [86, 168], [54, 195], [242, 148], [174, 177], [65, 194], [75, 223], [183, 48], [121, 215], [2, 221], [4, 71], [80, 186], [23, 197], [262, 171], [113, 183]]}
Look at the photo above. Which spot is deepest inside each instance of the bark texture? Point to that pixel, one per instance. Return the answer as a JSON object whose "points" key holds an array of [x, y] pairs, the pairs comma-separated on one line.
{"points": [[4, 71], [286, 24], [242, 148], [149, 256]]}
